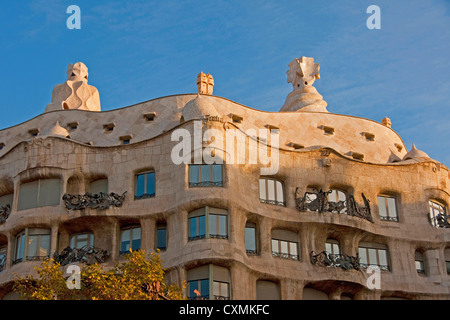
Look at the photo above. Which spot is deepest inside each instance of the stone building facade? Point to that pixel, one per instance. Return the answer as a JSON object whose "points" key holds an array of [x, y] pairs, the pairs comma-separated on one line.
{"points": [[340, 195]]}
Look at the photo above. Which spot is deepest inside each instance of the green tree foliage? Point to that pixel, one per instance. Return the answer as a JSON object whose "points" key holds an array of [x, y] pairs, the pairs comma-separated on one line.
{"points": [[139, 277]]}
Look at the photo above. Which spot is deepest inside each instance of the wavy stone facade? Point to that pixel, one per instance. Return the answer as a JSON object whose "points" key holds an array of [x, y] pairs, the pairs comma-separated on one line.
{"points": [[347, 195]]}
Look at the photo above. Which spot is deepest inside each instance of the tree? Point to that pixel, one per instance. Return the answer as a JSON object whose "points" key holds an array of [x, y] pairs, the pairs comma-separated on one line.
{"points": [[139, 277]]}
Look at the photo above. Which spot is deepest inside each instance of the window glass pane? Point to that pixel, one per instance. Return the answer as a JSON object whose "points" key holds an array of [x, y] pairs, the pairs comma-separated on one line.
{"points": [[206, 172], [271, 190], [125, 241], [192, 227], [193, 285], [275, 246], [28, 193], [328, 248], [44, 247], [32, 246], [332, 197], [201, 226], [372, 256], [216, 288], [284, 247], [213, 224], [293, 248], [222, 225], [19, 246], [392, 208], [362, 252], [382, 206], [97, 186], [136, 236], [336, 249], [250, 239], [194, 173], [382, 255], [150, 183], [204, 287], [49, 190], [162, 240], [341, 196], [140, 185], [224, 289], [217, 172], [262, 189], [280, 194]]}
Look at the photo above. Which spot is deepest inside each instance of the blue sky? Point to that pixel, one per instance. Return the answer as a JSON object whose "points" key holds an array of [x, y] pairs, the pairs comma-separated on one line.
{"points": [[141, 50]]}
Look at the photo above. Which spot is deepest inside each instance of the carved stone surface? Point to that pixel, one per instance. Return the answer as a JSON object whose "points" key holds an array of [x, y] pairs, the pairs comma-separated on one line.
{"points": [[301, 74], [326, 259], [75, 93], [205, 83], [318, 201], [4, 213], [86, 254], [100, 201]]}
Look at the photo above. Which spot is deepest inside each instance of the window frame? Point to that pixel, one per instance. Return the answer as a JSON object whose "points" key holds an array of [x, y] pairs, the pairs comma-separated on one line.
{"points": [[22, 244], [129, 229], [39, 201], [436, 208], [389, 216], [211, 182], [205, 277], [161, 226], [253, 226], [74, 237], [276, 192], [145, 194], [378, 248], [207, 212]]}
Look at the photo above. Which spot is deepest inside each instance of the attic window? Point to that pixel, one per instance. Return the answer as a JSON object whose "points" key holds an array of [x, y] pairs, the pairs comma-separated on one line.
{"points": [[327, 130], [273, 129], [125, 139], [399, 147], [236, 118], [109, 127], [72, 125], [369, 136], [2, 145], [34, 132], [296, 146], [150, 116], [358, 156]]}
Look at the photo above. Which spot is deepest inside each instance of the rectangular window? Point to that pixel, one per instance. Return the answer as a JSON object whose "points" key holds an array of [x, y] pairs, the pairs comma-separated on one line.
{"points": [[376, 255], [161, 237], [250, 238], [208, 223], [145, 185], [437, 215], [217, 226], [39, 193], [130, 239], [81, 240], [387, 208], [285, 249], [32, 244], [205, 175], [198, 289], [271, 191]]}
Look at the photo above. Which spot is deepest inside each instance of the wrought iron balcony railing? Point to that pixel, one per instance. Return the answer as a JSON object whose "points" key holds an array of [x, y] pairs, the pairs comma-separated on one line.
{"points": [[99, 201], [326, 259], [318, 201], [86, 254], [5, 211]]}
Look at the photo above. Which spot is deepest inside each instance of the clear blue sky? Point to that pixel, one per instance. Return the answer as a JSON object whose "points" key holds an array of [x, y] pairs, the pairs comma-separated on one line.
{"points": [[141, 50]]}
